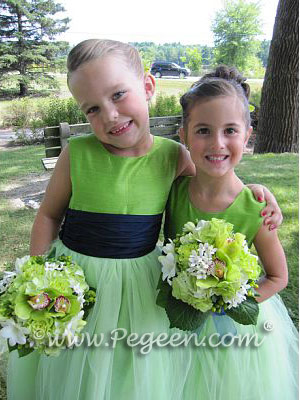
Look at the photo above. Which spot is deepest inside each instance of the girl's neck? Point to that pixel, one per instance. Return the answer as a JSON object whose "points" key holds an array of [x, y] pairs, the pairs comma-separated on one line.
{"points": [[212, 194]]}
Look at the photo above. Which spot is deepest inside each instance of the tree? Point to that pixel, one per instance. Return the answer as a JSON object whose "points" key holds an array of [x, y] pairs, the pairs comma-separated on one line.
{"points": [[27, 46], [195, 59], [278, 121], [235, 29]]}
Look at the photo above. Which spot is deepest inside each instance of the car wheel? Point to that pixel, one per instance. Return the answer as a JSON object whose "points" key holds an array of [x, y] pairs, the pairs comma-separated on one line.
{"points": [[181, 75], [157, 75]]}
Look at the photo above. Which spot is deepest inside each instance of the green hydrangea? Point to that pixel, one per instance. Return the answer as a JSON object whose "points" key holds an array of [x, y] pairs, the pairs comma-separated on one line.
{"points": [[42, 301]]}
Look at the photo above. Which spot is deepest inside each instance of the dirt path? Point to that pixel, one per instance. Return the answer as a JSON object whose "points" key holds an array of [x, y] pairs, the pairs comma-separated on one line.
{"points": [[28, 190]]}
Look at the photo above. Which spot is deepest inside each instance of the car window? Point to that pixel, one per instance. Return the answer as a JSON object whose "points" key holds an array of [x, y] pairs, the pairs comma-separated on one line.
{"points": [[175, 65]]}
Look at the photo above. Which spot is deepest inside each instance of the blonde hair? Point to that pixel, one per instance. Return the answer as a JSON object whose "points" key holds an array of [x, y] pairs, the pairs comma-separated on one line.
{"points": [[91, 49]]}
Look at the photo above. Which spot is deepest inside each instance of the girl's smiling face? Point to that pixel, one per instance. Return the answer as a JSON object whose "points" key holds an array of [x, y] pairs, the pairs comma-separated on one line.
{"points": [[217, 134], [115, 101]]}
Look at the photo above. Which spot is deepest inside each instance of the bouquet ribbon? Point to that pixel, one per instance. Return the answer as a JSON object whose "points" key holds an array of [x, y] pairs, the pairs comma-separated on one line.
{"points": [[223, 323]]}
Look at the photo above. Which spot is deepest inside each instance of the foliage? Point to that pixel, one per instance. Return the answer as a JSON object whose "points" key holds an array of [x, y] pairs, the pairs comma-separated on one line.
{"points": [[195, 59], [263, 53], [235, 29], [255, 97], [27, 46], [173, 52], [56, 110], [31, 114], [165, 105]]}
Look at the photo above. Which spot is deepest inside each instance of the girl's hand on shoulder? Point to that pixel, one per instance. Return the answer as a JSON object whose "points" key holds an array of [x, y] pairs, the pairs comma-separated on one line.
{"points": [[271, 213], [185, 165]]}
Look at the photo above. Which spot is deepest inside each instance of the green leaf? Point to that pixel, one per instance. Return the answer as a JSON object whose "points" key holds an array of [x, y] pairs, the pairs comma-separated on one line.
{"points": [[23, 310], [24, 351], [246, 313], [52, 253], [160, 283], [184, 316], [164, 293]]}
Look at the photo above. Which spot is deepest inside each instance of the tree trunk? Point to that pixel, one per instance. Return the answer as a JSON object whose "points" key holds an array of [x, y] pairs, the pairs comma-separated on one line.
{"points": [[22, 69], [277, 130], [23, 89]]}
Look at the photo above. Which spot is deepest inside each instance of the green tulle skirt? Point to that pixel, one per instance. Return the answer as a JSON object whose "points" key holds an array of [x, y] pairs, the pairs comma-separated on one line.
{"points": [[131, 367]]}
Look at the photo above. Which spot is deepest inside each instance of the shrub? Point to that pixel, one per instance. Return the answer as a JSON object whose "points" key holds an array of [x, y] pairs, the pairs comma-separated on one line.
{"points": [[57, 110], [255, 97], [165, 106]]}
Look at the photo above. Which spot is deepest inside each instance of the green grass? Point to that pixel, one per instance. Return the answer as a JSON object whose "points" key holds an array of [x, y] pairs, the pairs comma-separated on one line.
{"points": [[279, 172], [16, 163]]}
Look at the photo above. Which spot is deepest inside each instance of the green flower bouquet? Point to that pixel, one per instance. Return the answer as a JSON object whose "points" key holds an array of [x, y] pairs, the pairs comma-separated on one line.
{"points": [[208, 268], [43, 304]]}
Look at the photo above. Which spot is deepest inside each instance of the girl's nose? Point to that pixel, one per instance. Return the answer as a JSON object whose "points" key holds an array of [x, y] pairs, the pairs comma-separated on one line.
{"points": [[110, 113], [218, 141]]}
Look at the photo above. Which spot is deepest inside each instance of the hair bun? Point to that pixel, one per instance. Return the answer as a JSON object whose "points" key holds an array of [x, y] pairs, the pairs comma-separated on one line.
{"points": [[229, 74]]}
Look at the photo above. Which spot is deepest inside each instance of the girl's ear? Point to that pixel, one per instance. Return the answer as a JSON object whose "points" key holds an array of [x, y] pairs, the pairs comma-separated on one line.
{"points": [[248, 134], [149, 83]]}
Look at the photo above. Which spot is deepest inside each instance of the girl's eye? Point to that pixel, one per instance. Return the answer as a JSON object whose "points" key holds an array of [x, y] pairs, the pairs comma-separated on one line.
{"points": [[118, 95], [203, 131], [92, 110], [230, 131]]}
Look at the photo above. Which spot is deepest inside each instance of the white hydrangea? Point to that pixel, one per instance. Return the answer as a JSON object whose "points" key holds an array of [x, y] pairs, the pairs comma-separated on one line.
{"points": [[13, 332], [189, 238], [168, 266], [201, 224], [169, 247], [201, 263], [239, 297], [19, 263], [7, 279]]}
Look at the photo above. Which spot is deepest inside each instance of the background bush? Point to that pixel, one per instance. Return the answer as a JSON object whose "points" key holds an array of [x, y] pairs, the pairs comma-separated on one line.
{"points": [[165, 105]]}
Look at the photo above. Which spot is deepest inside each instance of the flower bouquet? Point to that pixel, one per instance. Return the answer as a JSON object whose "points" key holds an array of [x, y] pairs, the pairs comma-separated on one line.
{"points": [[208, 268], [43, 304]]}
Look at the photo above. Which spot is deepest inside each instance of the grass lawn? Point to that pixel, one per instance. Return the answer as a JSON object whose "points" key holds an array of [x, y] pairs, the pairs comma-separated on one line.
{"points": [[279, 172]]}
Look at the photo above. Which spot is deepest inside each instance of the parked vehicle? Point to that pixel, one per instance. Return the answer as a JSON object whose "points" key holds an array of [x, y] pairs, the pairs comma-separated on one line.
{"points": [[164, 68]]}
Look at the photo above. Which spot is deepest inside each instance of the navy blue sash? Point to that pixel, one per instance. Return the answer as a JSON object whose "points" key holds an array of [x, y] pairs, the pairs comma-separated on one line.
{"points": [[110, 235]]}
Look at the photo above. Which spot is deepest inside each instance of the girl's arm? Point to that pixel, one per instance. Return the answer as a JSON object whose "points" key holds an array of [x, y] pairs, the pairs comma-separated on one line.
{"points": [[185, 165], [272, 213], [51, 212], [271, 254]]}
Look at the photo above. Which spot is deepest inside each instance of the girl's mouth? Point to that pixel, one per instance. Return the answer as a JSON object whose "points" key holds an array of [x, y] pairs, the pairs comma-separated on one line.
{"points": [[120, 129], [216, 158]]}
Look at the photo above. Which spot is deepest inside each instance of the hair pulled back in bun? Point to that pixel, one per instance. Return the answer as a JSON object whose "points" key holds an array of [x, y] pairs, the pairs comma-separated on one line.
{"points": [[223, 81]]}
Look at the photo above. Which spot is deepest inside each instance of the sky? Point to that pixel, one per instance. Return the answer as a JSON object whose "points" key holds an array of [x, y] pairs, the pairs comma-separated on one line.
{"points": [[159, 21]]}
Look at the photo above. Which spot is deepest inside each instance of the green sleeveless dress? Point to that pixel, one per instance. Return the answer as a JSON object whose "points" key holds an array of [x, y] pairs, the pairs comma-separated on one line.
{"points": [[117, 203], [264, 370]]}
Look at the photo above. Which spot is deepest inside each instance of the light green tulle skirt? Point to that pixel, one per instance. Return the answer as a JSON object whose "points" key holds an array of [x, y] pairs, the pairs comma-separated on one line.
{"points": [[128, 365]]}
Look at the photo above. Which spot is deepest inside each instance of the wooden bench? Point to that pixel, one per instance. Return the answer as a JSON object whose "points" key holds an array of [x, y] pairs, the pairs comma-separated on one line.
{"points": [[56, 137]]}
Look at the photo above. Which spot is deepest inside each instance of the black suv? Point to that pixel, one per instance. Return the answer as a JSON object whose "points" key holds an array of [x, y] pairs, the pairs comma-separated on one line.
{"points": [[164, 68]]}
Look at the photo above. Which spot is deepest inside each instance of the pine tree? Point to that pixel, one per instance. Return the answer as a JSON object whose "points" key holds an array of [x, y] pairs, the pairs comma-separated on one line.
{"points": [[27, 46]]}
